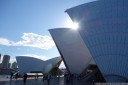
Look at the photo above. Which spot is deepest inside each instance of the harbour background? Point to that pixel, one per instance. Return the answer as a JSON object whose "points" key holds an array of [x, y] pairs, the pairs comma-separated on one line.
{"points": [[4, 76]]}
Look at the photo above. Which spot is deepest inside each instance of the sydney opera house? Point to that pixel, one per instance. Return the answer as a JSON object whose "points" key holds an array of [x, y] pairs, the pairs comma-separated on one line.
{"points": [[97, 48], [101, 39], [30, 64]]}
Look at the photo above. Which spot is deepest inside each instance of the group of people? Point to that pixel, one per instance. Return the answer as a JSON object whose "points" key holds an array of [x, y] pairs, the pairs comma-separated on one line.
{"points": [[68, 79], [46, 79]]}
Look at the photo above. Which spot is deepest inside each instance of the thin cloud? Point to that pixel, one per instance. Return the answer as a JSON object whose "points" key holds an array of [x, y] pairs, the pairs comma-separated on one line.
{"points": [[30, 40], [4, 41]]}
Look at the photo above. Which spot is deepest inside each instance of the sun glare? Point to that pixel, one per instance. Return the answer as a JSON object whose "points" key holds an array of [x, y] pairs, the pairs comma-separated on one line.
{"points": [[73, 25]]}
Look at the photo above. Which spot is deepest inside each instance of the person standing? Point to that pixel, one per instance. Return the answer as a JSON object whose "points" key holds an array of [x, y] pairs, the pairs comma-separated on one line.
{"points": [[44, 79], [48, 79], [67, 79], [11, 76], [25, 78], [71, 78]]}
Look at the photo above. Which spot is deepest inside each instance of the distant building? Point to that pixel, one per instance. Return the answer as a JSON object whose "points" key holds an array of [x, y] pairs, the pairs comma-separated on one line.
{"points": [[9, 65], [0, 60], [5, 61], [14, 65], [0, 65], [0, 57]]}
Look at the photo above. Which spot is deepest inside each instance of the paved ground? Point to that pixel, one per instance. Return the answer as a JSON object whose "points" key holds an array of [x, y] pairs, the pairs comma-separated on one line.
{"points": [[54, 81]]}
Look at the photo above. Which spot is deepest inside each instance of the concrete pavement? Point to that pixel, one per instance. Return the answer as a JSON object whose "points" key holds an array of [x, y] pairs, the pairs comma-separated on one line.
{"points": [[32, 81]]}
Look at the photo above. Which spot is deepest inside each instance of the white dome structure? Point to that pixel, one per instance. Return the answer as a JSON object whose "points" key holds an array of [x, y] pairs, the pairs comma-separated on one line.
{"points": [[27, 64]]}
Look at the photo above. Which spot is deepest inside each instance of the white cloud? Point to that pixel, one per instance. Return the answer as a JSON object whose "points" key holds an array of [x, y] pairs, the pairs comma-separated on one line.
{"points": [[4, 41], [31, 40]]}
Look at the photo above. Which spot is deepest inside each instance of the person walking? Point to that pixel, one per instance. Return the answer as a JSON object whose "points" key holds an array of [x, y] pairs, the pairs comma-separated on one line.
{"points": [[67, 79], [48, 79], [25, 78], [11, 76], [44, 79], [71, 78]]}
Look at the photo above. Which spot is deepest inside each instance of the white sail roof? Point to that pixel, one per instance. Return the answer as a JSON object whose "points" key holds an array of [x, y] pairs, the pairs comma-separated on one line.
{"points": [[27, 64], [71, 47], [104, 30]]}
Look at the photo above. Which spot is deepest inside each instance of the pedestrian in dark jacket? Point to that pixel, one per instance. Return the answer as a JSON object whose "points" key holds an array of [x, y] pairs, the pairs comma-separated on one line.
{"points": [[25, 78], [48, 79]]}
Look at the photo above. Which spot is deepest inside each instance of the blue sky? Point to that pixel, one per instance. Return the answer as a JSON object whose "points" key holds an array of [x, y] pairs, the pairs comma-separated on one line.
{"points": [[24, 26]]}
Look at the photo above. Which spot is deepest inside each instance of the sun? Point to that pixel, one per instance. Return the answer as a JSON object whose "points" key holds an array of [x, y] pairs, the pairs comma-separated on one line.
{"points": [[72, 25]]}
